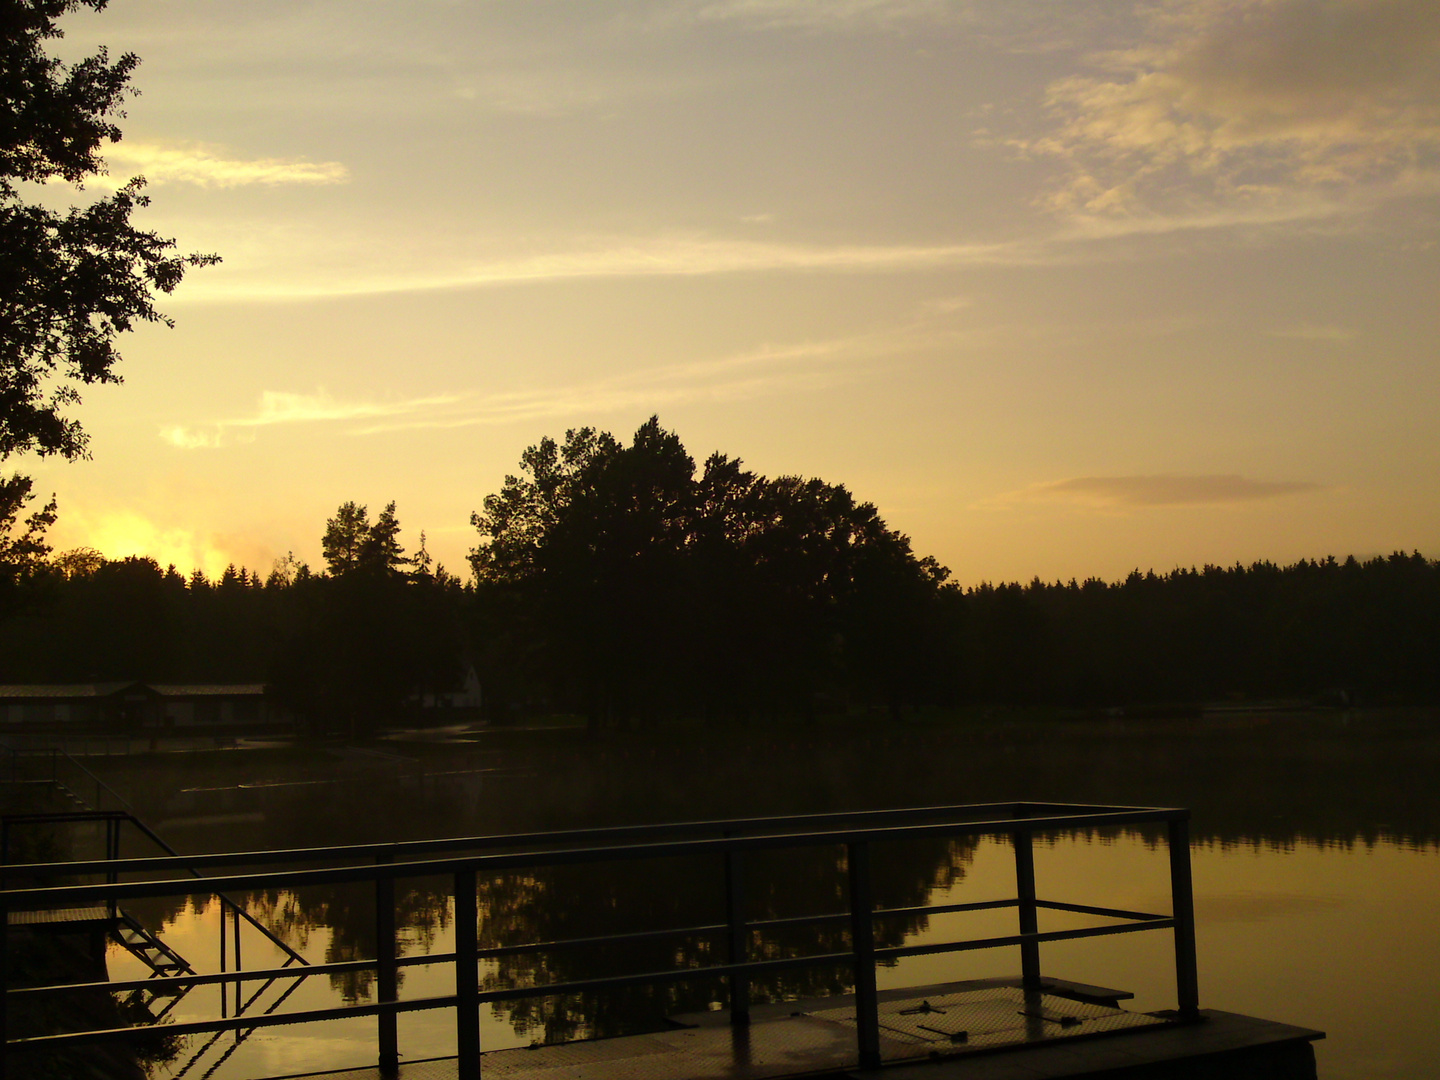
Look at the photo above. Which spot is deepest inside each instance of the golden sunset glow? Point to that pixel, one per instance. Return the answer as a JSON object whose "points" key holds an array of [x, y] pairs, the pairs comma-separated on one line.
{"points": [[1065, 289]]}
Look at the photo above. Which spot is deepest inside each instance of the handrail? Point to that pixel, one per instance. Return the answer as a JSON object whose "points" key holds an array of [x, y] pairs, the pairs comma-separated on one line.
{"points": [[619, 832], [1019, 821], [175, 860], [540, 857], [239, 909], [100, 785]]}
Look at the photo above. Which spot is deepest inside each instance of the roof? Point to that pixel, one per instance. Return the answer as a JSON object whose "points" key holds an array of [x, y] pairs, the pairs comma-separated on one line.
{"points": [[82, 691], [60, 691], [209, 689]]}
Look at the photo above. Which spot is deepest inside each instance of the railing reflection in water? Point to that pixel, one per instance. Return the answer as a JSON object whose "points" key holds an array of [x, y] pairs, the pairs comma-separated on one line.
{"points": [[736, 844]]}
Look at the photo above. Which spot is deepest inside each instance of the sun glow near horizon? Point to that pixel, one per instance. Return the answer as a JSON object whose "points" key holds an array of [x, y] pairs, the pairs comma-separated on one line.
{"points": [[1063, 289]]}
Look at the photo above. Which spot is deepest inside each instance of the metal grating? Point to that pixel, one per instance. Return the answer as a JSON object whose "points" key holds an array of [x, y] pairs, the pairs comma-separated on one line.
{"points": [[994, 1017]]}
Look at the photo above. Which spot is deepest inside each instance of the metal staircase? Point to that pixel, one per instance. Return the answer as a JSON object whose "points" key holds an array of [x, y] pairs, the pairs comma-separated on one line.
{"points": [[159, 957], [162, 960]]}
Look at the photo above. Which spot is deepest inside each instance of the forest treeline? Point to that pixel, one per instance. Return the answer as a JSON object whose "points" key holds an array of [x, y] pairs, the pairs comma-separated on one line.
{"points": [[622, 582]]}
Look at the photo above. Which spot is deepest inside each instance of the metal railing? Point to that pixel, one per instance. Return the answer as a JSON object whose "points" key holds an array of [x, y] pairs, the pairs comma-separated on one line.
{"points": [[462, 860]]}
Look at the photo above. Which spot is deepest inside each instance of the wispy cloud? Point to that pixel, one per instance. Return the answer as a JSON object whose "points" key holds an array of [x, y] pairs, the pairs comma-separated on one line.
{"points": [[310, 267], [762, 371], [281, 407], [1252, 102], [209, 166], [1162, 489], [834, 14]]}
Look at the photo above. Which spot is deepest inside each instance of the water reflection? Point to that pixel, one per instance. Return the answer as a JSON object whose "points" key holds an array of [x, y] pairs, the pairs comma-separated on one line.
{"points": [[1291, 816]]}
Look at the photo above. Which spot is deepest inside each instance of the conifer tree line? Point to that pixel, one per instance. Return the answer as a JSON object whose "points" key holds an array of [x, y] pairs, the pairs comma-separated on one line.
{"points": [[622, 582]]}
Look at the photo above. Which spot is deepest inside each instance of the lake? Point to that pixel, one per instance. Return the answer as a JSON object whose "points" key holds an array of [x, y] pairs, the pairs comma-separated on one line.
{"points": [[1316, 862]]}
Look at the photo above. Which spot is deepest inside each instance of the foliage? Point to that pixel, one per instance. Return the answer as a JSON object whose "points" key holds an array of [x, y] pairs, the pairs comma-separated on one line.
{"points": [[621, 581], [361, 639], [71, 281], [650, 590], [351, 543]]}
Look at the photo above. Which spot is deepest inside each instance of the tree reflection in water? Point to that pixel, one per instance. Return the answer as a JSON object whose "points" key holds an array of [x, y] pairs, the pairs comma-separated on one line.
{"points": [[555, 903], [1268, 781]]}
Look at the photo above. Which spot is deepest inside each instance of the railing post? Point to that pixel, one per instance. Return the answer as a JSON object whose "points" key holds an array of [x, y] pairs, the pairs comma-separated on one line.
{"points": [[862, 942], [239, 983], [738, 937], [387, 980], [4, 981], [1182, 898], [112, 852], [224, 990], [467, 976], [1023, 842]]}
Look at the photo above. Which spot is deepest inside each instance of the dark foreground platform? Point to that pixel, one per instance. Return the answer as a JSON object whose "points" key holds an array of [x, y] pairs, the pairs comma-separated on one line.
{"points": [[986, 1030]]}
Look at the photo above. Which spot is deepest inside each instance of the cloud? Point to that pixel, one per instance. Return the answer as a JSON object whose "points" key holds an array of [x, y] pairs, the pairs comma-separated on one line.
{"points": [[1253, 102], [282, 407], [1162, 489], [833, 14], [209, 167], [190, 439], [309, 266], [766, 370]]}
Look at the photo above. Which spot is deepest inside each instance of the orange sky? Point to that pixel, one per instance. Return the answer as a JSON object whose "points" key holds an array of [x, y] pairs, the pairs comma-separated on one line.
{"points": [[1065, 289]]}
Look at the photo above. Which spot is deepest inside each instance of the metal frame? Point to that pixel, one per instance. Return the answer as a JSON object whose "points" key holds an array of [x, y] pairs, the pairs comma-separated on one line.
{"points": [[730, 841]]}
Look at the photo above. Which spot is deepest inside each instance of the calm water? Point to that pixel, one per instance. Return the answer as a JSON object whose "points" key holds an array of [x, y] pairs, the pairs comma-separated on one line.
{"points": [[1316, 862]]}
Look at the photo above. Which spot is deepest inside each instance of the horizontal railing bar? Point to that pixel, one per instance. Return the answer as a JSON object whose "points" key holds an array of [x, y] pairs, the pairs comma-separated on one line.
{"points": [[421, 1004], [157, 982], [233, 1023], [752, 925], [942, 909], [552, 989], [577, 986], [1090, 909], [13, 898], [62, 816], [900, 951], [165, 982], [411, 847]]}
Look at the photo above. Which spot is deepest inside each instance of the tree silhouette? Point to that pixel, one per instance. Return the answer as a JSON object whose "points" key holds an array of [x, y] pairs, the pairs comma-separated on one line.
{"points": [[654, 591], [69, 282]]}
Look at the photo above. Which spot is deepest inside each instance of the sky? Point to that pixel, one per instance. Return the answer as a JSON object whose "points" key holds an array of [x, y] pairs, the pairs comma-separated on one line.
{"points": [[1066, 288]]}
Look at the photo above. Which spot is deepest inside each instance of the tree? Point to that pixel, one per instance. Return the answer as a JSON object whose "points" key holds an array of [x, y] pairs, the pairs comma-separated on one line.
{"points": [[24, 551], [70, 281], [352, 544], [21, 552], [643, 589]]}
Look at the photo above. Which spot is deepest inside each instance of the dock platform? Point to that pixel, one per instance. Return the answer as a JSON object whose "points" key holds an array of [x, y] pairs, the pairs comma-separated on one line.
{"points": [[980, 1030]]}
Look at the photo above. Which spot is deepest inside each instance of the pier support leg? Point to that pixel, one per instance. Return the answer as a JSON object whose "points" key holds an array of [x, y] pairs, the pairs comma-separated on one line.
{"points": [[387, 972], [1182, 895], [738, 937], [467, 976], [862, 937], [1023, 842]]}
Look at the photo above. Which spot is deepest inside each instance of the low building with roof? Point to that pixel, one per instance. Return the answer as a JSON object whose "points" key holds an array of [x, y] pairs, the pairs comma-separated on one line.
{"points": [[135, 706]]}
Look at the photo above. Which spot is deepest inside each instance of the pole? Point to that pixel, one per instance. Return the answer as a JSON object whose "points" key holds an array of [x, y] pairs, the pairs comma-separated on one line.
{"points": [[1182, 897], [862, 941], [1023, 842], [738, 937], [387, 971], [467, 976]]}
